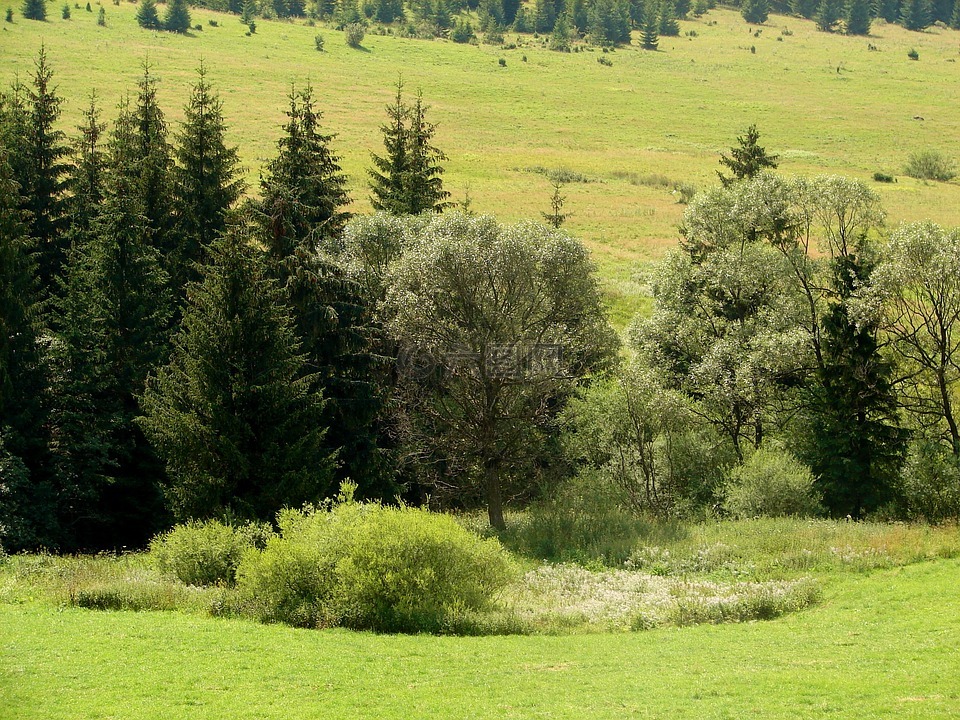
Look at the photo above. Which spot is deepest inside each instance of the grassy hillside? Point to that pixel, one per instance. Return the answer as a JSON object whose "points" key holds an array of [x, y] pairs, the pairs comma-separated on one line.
{"points": [[882, 644], [823, 103]]}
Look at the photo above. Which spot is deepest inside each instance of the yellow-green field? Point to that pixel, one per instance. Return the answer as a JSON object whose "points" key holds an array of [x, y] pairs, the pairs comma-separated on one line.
{"points": [[824, 103]]}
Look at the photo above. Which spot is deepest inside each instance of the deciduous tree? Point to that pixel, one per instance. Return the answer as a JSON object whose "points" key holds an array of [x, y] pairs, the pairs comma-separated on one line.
{"points": [[512, 317]]}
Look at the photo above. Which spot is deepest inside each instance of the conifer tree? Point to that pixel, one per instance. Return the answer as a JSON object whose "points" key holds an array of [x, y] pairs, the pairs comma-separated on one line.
{"points": [[858, 17], [388, 173], [955, 18], [177, 18], [828, 14], [207, 178], [234, 414], [407, 179], [651, 30], [941, 10], [142, 155], [424, 190], [303, 190], [300, 216], [112, 318], [34, 9], [915, 14], [86, 181], [49, 152], [755, 11], [669, 27], [747, 160], [858, 445], [248, 12], [147, 15], [545, 15], [27, 494], [37, 155]]}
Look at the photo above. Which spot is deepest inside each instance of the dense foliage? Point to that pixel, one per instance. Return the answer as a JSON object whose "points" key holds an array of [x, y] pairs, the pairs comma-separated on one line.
{"points": [[171, 351]]}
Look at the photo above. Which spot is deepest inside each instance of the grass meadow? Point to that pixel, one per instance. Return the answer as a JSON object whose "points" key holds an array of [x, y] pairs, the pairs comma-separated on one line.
{"points": [[881, 643], [824, 103], [878, 634]]}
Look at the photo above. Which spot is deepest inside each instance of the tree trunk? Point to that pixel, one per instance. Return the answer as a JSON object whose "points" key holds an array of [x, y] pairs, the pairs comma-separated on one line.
{"points": [[494, 498], [948, 412]]}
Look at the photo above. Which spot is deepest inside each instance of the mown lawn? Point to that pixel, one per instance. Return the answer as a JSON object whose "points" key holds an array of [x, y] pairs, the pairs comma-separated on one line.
{"points": [[882, 644], [824, 103]]}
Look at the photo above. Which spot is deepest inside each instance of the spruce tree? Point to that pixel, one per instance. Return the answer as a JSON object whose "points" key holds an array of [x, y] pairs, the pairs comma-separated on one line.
{"points": [[143, 158], [27, 495], [915, 14], [545, 15], [858, 445], [177, 18], [234, 414], [828, 14], [303, 192], [34, 9], [755, 11], [248, 12], [955, 17], [147, 15], [301, 216], [858, 17], [388, 173], [207, 179], [424, 189], [37, 155], [669, 27], [86, 180], [113, 319], [747, 160], [406, 180], [651, 31], [941, 10]]}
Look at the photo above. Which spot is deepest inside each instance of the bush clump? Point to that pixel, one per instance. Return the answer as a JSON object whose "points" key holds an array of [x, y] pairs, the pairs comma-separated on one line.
{"points": [[930, 483], [207, 552], [771, 483], [354, 34], [367, 566], [930, 165]]}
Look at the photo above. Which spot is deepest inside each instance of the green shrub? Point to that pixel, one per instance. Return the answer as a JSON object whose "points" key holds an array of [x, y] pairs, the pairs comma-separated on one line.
{"points": [[771, 483], [913, 54], [318, 42], [883, 177], [930, 165], [367, 566], [205, 553], [930, 483], [431, 566], [354, 33]]}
